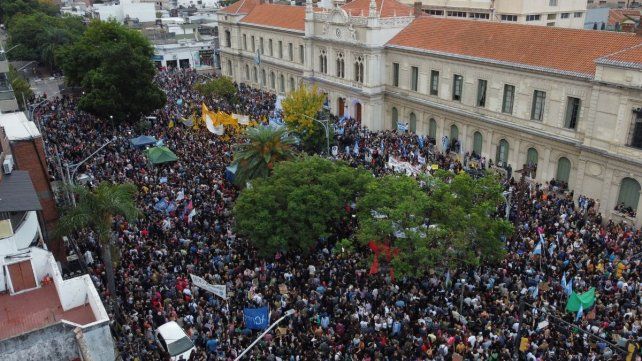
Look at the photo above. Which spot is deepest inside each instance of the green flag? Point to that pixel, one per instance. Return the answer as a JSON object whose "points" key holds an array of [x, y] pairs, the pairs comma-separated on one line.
{"points": [[586, 299]]}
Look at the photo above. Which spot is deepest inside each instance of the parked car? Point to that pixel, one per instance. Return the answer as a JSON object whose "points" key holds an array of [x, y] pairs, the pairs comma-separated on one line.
{"points": [[173, 340]]}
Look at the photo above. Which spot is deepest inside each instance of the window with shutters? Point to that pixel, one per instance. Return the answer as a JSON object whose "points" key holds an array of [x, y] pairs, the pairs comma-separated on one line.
{"points": [[537, 111], [414, 78], [481, 93], [509, 99], [563, 170], [395, 74], [458, 84], [434, 82]]}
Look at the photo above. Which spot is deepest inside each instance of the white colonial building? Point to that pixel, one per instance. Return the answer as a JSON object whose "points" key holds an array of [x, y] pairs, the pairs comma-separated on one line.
{"points": [[567, 100]]}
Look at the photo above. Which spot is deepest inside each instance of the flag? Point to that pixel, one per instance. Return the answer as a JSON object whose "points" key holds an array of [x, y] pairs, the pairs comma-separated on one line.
{"points": [[401, 126], [421, 141], [563, 282], [551, 249], [538, 248], [191, 215], [586, 300], [160, 205], [580, 313], [356, 147], [536, 291], [569, 287], [447, 283], [219, 290], [256, 318]]}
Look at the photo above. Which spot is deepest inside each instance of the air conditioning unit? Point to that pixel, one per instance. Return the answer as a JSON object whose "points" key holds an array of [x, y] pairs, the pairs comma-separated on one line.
{"points": [[7, 165]]}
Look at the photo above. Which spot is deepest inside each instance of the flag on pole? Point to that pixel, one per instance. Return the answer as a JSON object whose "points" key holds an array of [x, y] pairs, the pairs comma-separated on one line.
{"points": [[538, 248], [569, 287], [256, 318], [580, 313]]}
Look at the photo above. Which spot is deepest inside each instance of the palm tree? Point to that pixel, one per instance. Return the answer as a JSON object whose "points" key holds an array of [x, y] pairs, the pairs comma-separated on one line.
{"points": [[266, 146], [95, 210]]}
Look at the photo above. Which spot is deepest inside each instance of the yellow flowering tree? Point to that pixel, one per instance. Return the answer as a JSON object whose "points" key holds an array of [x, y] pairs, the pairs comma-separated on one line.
{"points": [[300, 108]]}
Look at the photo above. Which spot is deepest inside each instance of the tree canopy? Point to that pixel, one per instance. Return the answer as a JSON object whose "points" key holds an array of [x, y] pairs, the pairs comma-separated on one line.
{"points": [[114, 67], [221, 87], [38, 35], [302, 201], [300, 108], [449, 222], [265, 147], [11, 8], [21, 88]]}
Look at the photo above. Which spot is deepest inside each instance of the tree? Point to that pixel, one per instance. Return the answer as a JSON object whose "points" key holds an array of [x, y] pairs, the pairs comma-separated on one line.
{"points": [[114, 67], [222, 87], [11, 8], [37, 36], [300, 108], [449, 223], [265, 147], [465, 208], [302, 201], [96, 210], [21, 88]]}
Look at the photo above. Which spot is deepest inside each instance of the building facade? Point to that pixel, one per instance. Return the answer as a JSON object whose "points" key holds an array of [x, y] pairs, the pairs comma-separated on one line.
{"points": [[511, 93], [561, 13], [8, 102]]}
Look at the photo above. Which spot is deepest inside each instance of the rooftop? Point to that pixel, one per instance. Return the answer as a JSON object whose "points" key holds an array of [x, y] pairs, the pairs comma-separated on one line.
{"points": [[18, 127], [240, 7], [278, 16], [36, 309], [565, 51], [17, 193]]}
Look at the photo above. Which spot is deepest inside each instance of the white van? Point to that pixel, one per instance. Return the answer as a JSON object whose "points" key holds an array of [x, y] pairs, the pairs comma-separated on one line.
{"points": [[174, 341]]}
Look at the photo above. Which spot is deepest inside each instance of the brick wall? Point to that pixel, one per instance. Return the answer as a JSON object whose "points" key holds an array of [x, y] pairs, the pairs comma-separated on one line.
{"points": [[29, 155]]}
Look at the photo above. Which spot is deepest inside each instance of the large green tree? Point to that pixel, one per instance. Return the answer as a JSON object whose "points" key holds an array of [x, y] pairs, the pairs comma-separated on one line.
{"points": [[300, 202], [37, 36], [265, 146], [221, 87], [449, 222], [96, 210], [114, 67], [11, 8]]}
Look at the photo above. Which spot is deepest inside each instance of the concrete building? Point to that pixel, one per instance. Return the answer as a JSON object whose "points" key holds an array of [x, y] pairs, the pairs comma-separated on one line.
{"points": [[512, 93], [143, 12], [620, 4], [27, 148], [43, 315], [561, 13], [8, 102], [199, 4]]}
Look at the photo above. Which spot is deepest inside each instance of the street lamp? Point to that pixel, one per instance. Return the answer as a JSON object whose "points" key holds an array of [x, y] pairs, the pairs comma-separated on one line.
{"points": [[287, 314], [325, 125], [74, 167]]}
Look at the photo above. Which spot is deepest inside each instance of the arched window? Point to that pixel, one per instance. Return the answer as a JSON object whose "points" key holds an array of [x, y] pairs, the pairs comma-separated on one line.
{"points": [[323, 62], [263, 78], [395, 117], [254, 75], [502, 153], [413, 122], [292, 84], [358, 70], [563, 170], [532, 158], [272, 80], [282, 83], [247, 72], [432, 128], [454, 133], [629, 196], [229, 68], [341, 66], [477, 143]]}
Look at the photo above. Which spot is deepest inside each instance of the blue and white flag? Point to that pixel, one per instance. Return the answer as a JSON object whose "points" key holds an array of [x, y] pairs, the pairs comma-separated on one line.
{"points": [[356, 148], [256, 318], [536, 291], [276, 122], [569, 287], [551, 249], [160, 205], [563, 282], [420, 140], [538, 248], [402, 127], [580, 313]]}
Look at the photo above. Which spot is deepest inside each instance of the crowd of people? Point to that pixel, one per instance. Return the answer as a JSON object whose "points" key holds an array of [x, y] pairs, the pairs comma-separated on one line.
{"points": [[341, 311]]}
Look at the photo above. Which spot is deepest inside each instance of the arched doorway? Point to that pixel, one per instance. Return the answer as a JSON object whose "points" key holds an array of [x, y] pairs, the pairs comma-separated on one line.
{"points": [[563, 170], [629, 196], [341, 104], [357, 112], [502, 153], [432, 128], [395, 117], [477, 144], [532, 157]]}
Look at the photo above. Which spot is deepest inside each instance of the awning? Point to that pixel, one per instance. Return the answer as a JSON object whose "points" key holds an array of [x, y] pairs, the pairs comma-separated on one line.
{"points": [[17, 193], [142, 141]]}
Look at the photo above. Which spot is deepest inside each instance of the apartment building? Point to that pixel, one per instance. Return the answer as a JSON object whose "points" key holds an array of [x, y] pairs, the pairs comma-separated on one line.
{"points": [[560, 13], [8, 102]]}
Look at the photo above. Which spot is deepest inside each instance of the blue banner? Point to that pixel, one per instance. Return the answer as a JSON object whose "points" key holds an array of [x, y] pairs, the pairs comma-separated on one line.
{"points": [[256, 318]]}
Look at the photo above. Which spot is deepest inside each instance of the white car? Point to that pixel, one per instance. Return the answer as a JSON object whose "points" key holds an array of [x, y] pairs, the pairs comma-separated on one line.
{"points": [[174, 341]]}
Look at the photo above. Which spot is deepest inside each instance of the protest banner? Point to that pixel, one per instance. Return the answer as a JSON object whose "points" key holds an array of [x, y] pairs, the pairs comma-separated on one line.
{"points": [[219, 290]]}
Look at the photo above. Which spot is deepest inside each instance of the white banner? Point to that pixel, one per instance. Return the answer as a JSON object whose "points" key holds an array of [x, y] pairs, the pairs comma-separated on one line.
{"points": [[209, 123], [242, 119], [219, 290]]}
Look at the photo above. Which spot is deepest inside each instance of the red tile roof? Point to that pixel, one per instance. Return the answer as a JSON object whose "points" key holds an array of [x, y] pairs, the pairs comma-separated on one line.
{"points": [[631, 57], [278, 16], [36, 309], [240, 7], [568, 51], [620, 15], [386, 8]]}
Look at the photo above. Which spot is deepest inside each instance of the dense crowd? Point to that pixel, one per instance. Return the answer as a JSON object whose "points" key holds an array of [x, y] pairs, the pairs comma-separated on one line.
{"points": [[342, 312]]}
